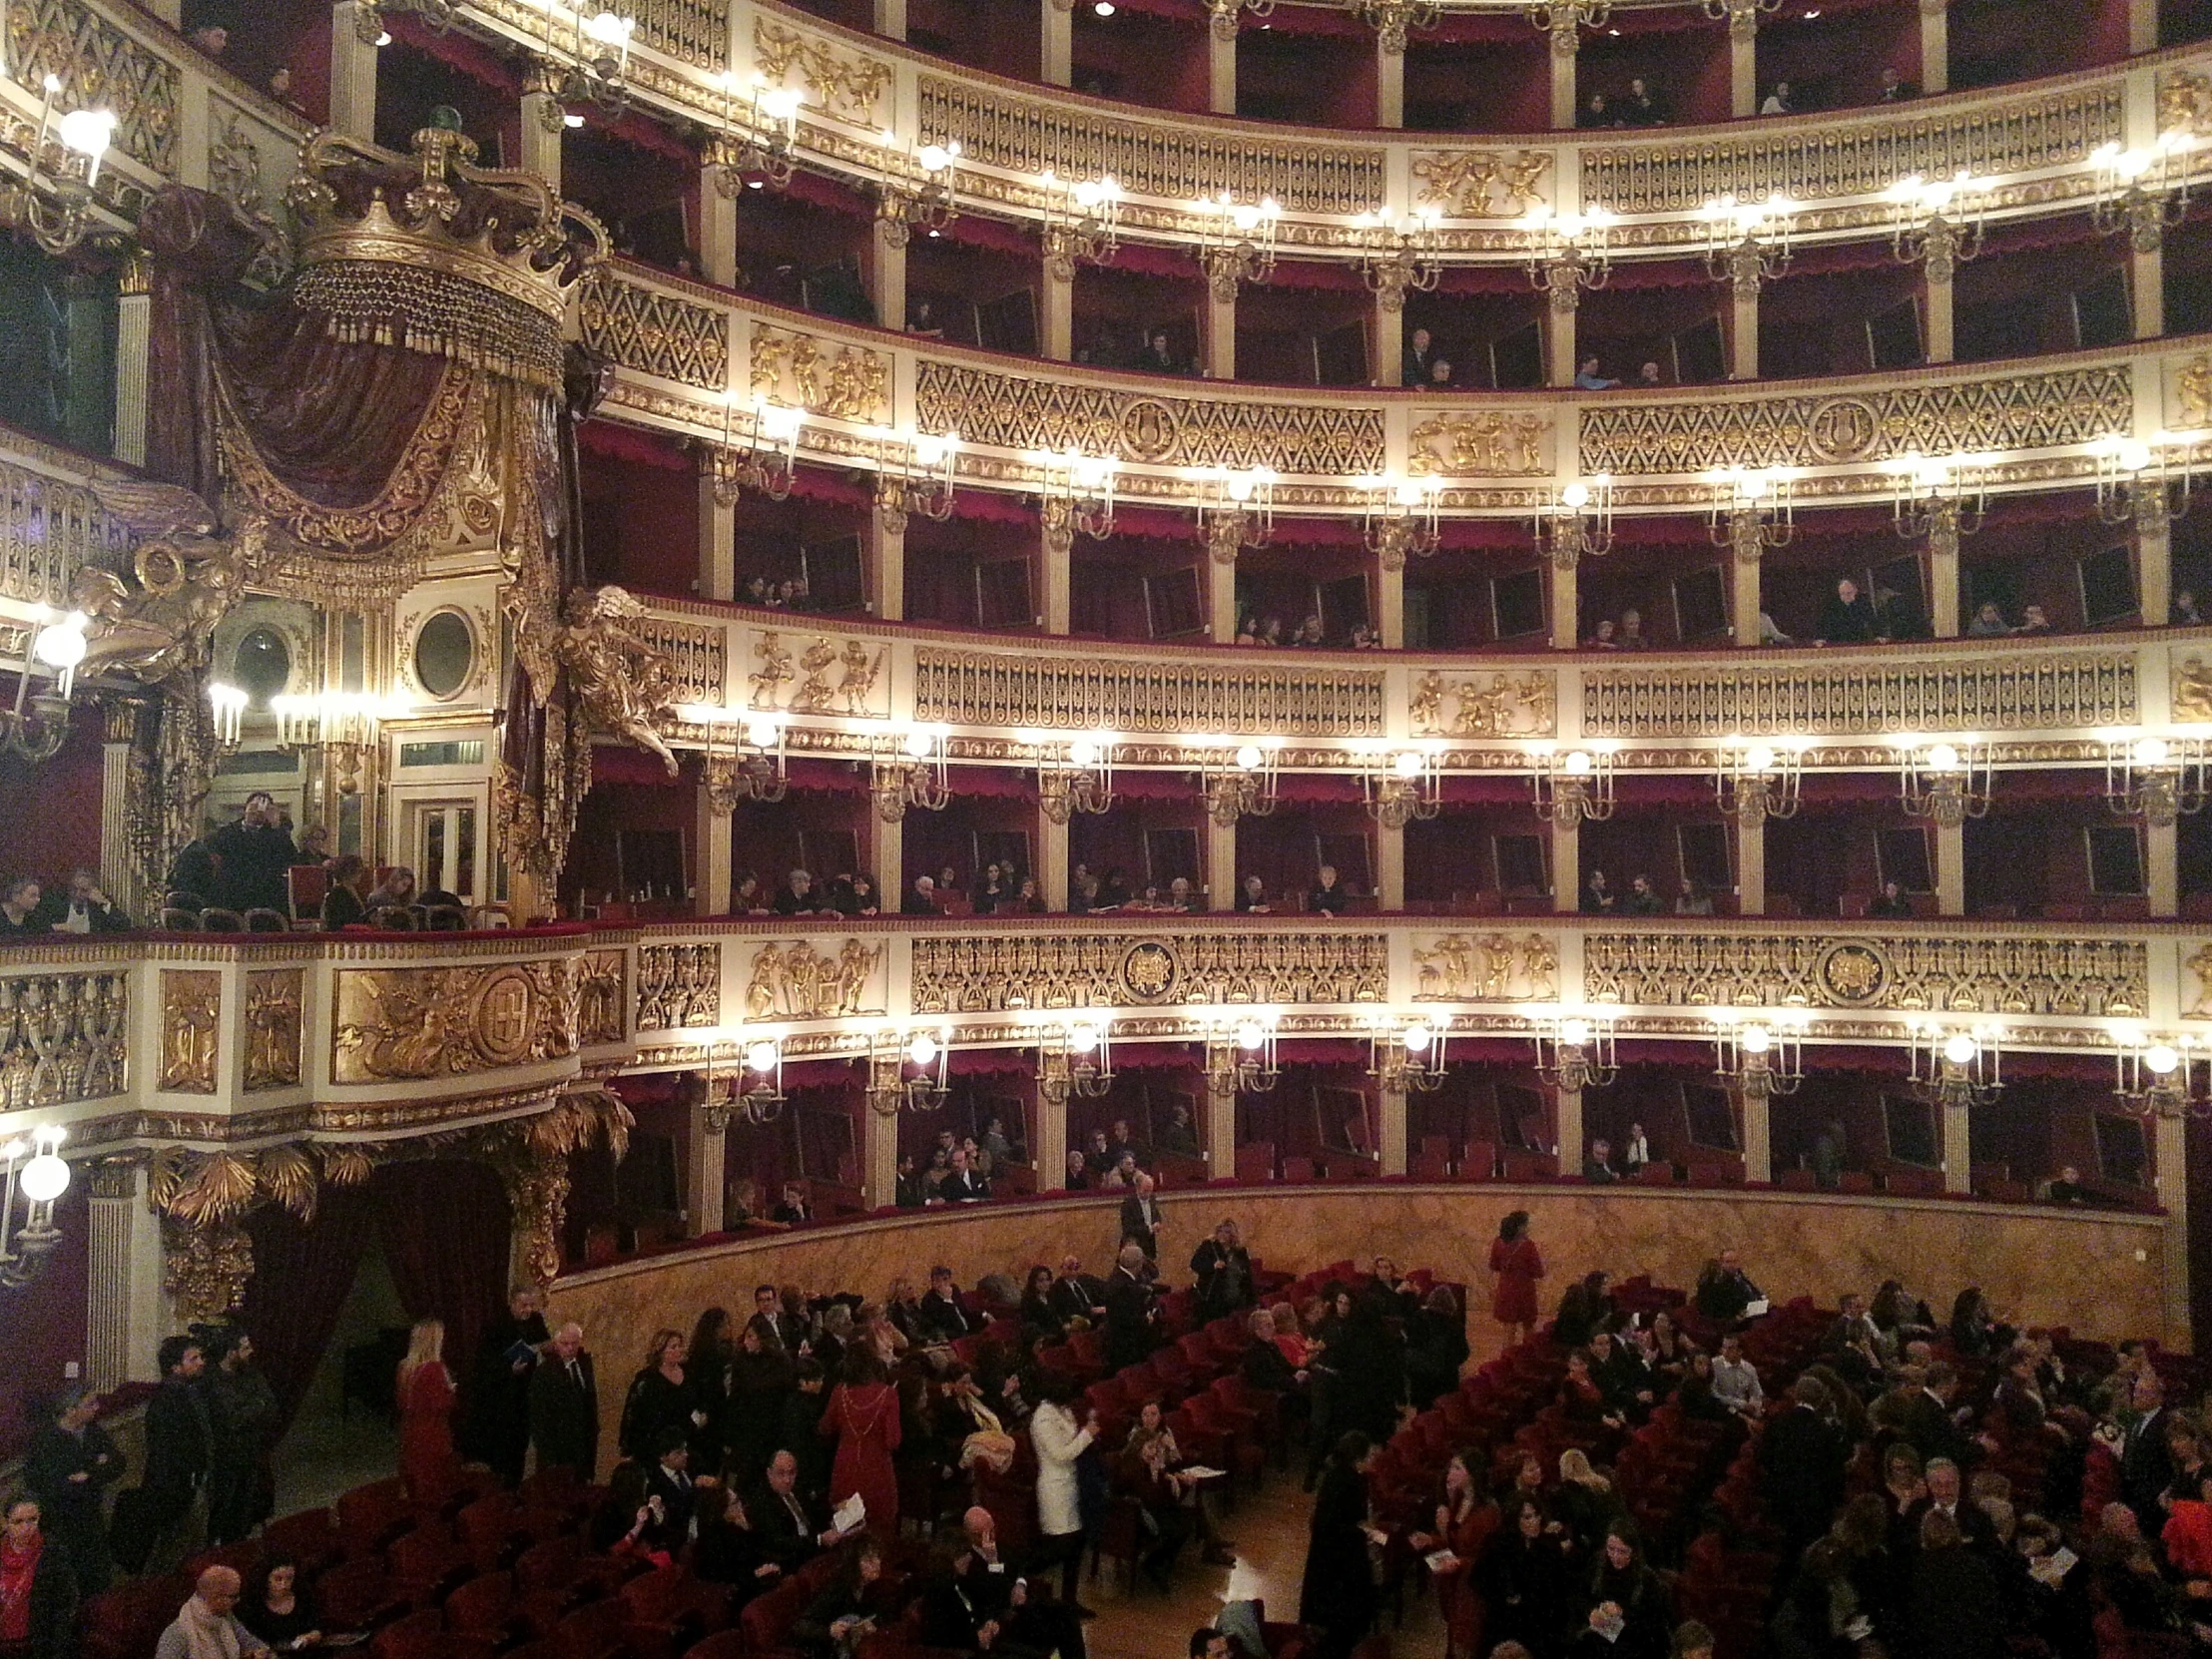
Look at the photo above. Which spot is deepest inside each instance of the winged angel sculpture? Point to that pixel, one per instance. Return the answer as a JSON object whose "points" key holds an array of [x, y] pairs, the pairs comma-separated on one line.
{"points": [[623, 683]]}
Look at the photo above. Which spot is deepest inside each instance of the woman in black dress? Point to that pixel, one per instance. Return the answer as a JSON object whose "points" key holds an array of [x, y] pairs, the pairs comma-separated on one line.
{"points": [[1524, 1579], [1338, 1597], [706, 1364], [276, 1606], [660, 1397], [760, 1376]]}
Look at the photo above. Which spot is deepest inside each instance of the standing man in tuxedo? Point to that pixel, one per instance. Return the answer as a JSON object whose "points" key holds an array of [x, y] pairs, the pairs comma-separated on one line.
{"points": [[564, 1405], [1802, 1456], [1129, 1311], [1140, 1218], [2146, 1464]]}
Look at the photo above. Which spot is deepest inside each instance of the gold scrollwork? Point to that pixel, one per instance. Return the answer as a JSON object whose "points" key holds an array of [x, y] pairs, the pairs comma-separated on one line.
{"points": [[679, 985], [63, 1038], [796, 981], [843, 383], [1480, 446], [982, 973], [1488, 968], [842, 86], [399, 1023], [191, 1011], [655, 331], [1516, 705], [1480, 184], [1997, 974], [602, 997], [272, 1028], [978, 688]]}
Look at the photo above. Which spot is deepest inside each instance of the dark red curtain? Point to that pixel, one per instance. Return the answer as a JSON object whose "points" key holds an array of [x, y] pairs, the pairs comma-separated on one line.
{"points": [[444, 1227], [302, 1272]]}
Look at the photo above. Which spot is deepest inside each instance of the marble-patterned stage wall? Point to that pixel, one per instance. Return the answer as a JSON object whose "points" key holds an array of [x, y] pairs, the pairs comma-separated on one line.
{"points": [[2098, 1272]]}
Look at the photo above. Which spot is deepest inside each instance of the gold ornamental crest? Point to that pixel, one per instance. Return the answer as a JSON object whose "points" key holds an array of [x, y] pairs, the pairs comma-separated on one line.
{"points": [[1149, 971], [505, 1017], [1853, 974], [1843, 428], [1149, 429]]}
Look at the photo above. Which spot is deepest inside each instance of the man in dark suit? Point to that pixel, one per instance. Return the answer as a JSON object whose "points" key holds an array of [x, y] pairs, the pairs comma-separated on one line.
{"points": [[170, 1517], [1928, 1422], [1140, 1218], [961, 1183], [1727, 1294], [2146, 1462], [670, 1480], [792, 1531], [564, 1405], [1802, 1456], [1945, 1492], [1078, 1294], [941, 1313], [1129, 1311]]}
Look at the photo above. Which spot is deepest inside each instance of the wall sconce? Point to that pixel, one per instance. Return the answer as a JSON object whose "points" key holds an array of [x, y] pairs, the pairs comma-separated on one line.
{"points": [[1748, 242], [904, 205], [1409, 1059], [1577, 522], [1238, 781], [915, 473], [764, 149], [768, 460], [1402, 788], [1571, 785], [1082, 222], [1947, 782], [1399, 517], [345, 726], [2158, 1077], [1939, 222], [1563, 19], [1956, 1067], [53, 201], [37, 727], [599, 71], [226, 707], [1575, 1051], [1938, 496], [2142, 191], [2139, 480], [1568, 252], [1077, 777], [1235, 242], [1075, 494], [1236, 508], [1751, 509], [43, 1179], [915, 774], [1762, 1056], [1400, 258], [756, 769], [2159, 779], [1239, 1053], [908, 1073], [1755, 780], [1392, 19], [758, 1085], [1076, 1058]]}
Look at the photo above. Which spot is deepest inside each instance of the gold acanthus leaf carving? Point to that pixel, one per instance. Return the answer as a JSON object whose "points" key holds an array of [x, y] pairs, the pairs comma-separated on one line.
{"points": [[290, 1177], [842, 86], [576, 1120], [201, 1189], [1480, 446], [1516, 705], [1488, 968], [205, 1270], [796, 981], [1480, 184], [840, 383]]}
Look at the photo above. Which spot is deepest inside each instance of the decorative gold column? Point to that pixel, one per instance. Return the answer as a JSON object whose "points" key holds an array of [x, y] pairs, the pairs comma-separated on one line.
{"points": [[1559, 358], [1758, 1112], [718, 227], [1567, 43], [1057, 68], [1743, 58], [2146, 289], [1219, 348], [2154, 568], [1390, 337], [890, 19], [1048, 1145], [1059, 306], [885, 851], [718, 544], [1565, 612], [1056, 563], [1744, 279], [1951, 865], [1052, 858], [706, 1140], [880, 1144], [1221, 592], [119, 871], [1221, 1132], [2170, 1173], [1937, 293], [1935, 46], [1751, 862], [1942, 569], [544, 126], [1566, 1113], [1390, 866], [123, 1322], [886, 563], [1395, 1132], [1747, 545], [1389, 80], [132, 325], [1389, 603], [886, 271], [1957, 1148], [710, 825], [1221, 56], [1221, 864], [2162, 868], [355, 26], [2142, 27], [1567, 866]]}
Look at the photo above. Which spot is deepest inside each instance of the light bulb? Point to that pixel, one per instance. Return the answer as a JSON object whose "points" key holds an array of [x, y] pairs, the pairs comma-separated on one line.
{"points": [[1575, 1032], [87, 132], [933, 157], [1755, 1039], [2161, 1059], [917, 744], [923, 1049], [1407, 765], [1248, 758], [1083, 753], [1578, 764], [1759, 759], [1250, 1035], [1960, 1049], [608, 29], [2151, 751], [1576, 495], [45, 1178], [62, 643], [762, 734], [1418, 1038], [760, 1056], [13, 1151], [1942, 757], [1082, 1037]]}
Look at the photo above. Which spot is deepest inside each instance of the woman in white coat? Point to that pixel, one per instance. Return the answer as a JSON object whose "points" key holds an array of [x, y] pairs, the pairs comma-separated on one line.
{"points": [[1059, 1442]]}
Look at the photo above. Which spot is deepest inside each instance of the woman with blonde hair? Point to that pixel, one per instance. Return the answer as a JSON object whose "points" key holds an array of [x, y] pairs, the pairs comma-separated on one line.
{"points": [[426, 1393], [661, 1397]]}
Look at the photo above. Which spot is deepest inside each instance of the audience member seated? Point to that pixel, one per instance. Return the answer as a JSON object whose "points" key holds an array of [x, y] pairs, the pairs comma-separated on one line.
{"points": [[1846, 619], [341, 902]]}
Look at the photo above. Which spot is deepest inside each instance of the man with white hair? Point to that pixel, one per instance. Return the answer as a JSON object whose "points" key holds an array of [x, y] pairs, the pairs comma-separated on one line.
{"points": [[1140, 1217], [1129, 1311], [564, 1405], [205, 1628]]}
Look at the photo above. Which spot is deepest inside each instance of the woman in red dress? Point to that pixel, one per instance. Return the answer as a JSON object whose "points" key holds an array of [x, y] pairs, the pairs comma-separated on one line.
{"points": [[425, 1392], [1514, 1260], [863, 1416]]}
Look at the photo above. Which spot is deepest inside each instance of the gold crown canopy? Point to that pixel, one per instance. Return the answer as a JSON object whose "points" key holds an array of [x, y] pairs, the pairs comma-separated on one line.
{"points": [[429, 252]]}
